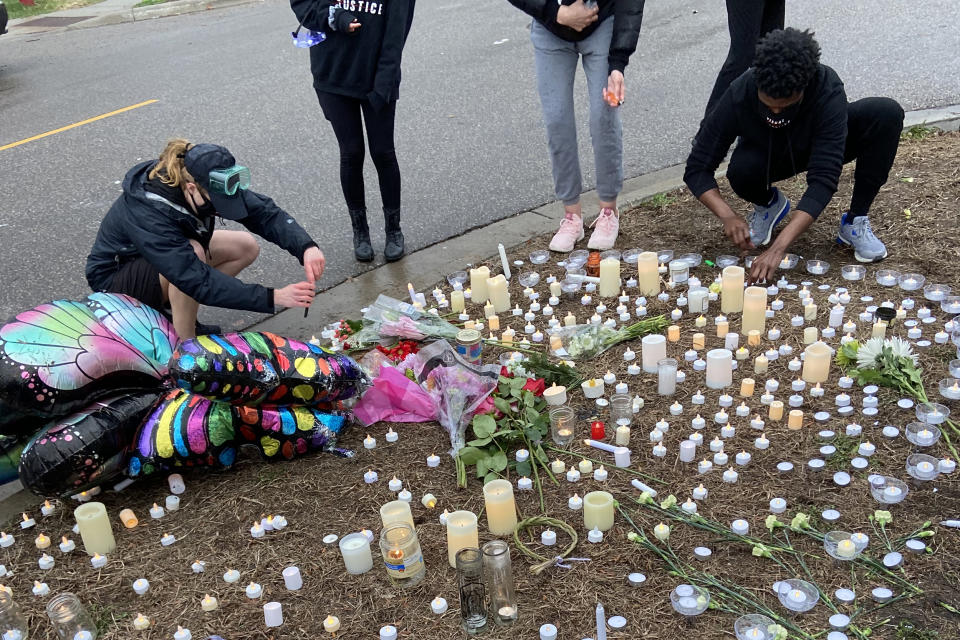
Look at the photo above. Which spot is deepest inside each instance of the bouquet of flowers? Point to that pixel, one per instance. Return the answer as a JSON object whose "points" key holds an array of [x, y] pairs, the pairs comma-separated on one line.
{"points": [[391, 318], [582, 342]]}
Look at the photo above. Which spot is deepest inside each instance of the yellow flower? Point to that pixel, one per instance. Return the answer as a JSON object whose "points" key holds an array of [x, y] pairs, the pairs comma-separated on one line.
{"points": [[761, 551], [632, 536], [669, 502], [882, 517], [772, 522], [777, 632], [662, 532], [800, 521], [645, 498]]}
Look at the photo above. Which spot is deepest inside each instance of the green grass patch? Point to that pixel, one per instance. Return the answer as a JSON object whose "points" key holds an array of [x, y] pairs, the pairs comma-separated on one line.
{"points": [[661, 200], [148, 3], [17, 10], [919, 132]]}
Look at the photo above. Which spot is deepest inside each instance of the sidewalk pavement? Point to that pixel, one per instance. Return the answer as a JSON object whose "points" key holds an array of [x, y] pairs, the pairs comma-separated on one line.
{"points": [[111, 12]]}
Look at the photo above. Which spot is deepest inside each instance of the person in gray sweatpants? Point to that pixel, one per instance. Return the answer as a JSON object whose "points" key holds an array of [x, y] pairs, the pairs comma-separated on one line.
{"points": [[603, 35]]}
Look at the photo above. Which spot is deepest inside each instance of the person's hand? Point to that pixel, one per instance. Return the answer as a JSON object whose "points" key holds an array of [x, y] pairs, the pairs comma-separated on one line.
{"points": [[577, 16], [353, 26], [738, 231], [313, 264], [299, 294], [615, 85], [765, 265]]}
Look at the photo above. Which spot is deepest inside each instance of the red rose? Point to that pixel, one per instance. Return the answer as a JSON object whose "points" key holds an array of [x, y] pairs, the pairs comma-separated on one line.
{"points": [[505, 372], [536, 386]]}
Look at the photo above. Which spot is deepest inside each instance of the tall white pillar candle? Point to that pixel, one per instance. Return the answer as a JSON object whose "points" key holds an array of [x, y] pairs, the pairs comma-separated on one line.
{"points": [[500, 507], [754, 310], [457, 301], [609, 277], [648, 278], [478, 284], [396, 511], [731, 291], [461, 534], [503, 261], [498, 293], [719, 368], [95, 528], [816, 363], [653, 349]]}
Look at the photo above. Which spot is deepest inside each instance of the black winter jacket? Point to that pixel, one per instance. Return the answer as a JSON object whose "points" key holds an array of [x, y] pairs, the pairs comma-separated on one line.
{"points": [[627, 16], [815, 138], [364, 64], [145, 224]]}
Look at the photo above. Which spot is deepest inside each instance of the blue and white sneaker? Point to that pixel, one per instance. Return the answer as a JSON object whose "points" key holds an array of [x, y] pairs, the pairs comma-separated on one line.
{"points": [[858, 234], [765, 219]]}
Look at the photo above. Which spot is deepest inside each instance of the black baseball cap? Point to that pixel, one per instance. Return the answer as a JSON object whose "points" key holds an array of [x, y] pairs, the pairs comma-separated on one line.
{"points": [[203, 158]]}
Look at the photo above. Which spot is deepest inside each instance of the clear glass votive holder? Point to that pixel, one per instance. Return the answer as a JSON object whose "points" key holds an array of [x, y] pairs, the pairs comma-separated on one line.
{"points": [[798, 595], [402, 557], [955, 368], [13, 624], [936, 292], [726, 261], [498, 581], [664, 256], [911, 281], [630, 256], [539, 256], [853, 272], [576, 259], [887, 277], [817, 267], [920, 466], [693, 260], [473, 593], [621, 409], [667, 376], [839, 546], [562, 423], [753, 626], [931, 412], [921, 435], [888, 490], [457, 277], [789, 261], [529, 278], [950, 304], [69, 617], [689, 600]]}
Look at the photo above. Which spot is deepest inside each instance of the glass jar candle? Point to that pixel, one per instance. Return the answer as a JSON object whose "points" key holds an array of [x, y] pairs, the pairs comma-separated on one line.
{"points": [[561, 425], [401, 554], [666, 376], [12, 622], [498, 582], [69, 618], [621, 410], [473, 593]]}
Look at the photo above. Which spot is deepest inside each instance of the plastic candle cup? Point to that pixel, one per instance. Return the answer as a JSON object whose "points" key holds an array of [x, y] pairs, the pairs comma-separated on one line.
{"points": [[209, 603], [331, 624], [141, 622], [369, 442], [47, 509], [182, 634], [172, 503], [167, 539], [273, 614], [157, 512], [231, 576], [98, 561], [141, 586], [575, 503]]}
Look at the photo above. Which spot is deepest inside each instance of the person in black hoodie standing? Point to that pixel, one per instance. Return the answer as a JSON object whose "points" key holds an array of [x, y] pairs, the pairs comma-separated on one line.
{"points": [[158, 243], [356, 74], [791, 115]]}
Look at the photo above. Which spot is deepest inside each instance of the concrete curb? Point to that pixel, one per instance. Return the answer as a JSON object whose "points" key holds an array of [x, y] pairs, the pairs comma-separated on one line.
{"points": [[430, 264], [173, 8]]}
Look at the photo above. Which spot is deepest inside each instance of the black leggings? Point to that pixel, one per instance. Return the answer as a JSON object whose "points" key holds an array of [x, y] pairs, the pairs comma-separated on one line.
{"points": [[344, 113], [873, 135], [748, 21]]}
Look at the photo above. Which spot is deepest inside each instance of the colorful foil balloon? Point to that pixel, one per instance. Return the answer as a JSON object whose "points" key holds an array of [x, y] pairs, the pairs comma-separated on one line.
{"points": [[262, 368], [58, 357], [87, 448]]}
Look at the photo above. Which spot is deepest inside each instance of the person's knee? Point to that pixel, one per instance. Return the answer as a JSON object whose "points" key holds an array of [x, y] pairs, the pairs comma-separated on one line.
{"points": [[889, 113], [385, 158], [740, 177], [247, 244]]}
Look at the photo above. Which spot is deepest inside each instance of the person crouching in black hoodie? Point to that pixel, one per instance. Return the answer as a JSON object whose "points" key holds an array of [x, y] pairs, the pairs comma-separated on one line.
{"points": [[158, 244], [356, 74], [791, 115]]}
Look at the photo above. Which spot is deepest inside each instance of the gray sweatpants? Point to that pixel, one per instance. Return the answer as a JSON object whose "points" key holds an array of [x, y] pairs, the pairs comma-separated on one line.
{"points": [[556, 62]]}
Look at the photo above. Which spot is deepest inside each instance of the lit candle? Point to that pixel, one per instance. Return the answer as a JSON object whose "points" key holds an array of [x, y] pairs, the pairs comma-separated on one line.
{"points": [[231, 576], [47, 509], [94, 528], [254, 590], [370, 477], [575, 502], [40, 588], [355, 551], [500, 507], [731, 292], [438, 605], [257, 530], [98, 561], [168, 539], [369, 442], [392, 436], [141, 622], [209, 603], [461, 534], [67, 545], [27, 522], [141, 586], [816, 363], [331, 624]]}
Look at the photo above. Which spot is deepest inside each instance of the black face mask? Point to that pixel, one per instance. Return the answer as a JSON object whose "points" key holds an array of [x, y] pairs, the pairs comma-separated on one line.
{"points": [[782, 119], [206, 210]]}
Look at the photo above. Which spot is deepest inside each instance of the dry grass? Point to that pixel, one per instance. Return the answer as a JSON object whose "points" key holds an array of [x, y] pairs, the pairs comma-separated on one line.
{"points": [[325, 494]]}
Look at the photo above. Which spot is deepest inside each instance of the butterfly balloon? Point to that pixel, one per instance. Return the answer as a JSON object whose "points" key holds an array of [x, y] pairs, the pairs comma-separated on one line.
{"points": [[120, 395]]}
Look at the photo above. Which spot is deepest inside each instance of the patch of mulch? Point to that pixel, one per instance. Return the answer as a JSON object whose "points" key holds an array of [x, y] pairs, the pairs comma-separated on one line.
{"points": [[326, 494]]}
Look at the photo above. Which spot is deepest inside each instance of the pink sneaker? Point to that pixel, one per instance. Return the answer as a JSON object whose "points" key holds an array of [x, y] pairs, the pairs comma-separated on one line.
{"points": [[606, 229], [571, 230]]}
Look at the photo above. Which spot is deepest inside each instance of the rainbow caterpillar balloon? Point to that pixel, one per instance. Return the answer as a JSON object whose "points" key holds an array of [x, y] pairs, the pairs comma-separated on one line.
{"points": [[280, 396]]}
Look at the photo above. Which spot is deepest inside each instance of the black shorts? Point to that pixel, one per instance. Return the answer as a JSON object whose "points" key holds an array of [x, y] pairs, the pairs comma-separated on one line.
{"points": [[139, 279]]}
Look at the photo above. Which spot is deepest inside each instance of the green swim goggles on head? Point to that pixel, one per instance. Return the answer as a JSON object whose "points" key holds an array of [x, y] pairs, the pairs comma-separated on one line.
{"points": [[228, 181]]}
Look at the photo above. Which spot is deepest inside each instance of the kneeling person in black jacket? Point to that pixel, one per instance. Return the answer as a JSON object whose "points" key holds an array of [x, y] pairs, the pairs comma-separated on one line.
{"points": [[158, 244], [791, 115]]}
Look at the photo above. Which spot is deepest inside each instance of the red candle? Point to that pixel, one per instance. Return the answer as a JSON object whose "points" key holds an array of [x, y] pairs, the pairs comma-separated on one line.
{"points": [[597, 431]]}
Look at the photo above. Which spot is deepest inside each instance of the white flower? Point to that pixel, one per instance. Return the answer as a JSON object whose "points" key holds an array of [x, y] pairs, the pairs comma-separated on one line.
{"points": [[869, 352], [901, 349]]}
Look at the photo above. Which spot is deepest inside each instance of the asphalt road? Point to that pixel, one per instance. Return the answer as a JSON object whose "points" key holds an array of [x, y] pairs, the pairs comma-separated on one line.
{"points": [[469, 132]]}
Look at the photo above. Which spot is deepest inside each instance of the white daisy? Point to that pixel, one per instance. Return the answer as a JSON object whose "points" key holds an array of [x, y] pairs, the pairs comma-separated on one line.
{"points": [[869, 352], [902, 349]]}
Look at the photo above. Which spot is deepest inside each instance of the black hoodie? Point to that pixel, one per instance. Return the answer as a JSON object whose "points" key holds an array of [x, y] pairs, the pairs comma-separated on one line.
{"points": [[815, 138], [627, 18], [364, 64], [144, 223]]}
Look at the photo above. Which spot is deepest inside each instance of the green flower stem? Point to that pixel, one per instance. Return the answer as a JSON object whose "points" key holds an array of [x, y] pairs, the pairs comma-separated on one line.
{"points": [[606, 465], [536, 474]]}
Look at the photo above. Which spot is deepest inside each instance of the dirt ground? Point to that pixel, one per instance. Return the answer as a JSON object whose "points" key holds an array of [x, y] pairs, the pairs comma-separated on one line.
{"points": [[324, 494]]}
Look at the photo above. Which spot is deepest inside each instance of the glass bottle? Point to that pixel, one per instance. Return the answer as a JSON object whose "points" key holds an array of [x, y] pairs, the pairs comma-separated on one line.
{"points": [[498, 579], [593, 264], [70, 620], [401, 554], [473, 599], [12, 623]]}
